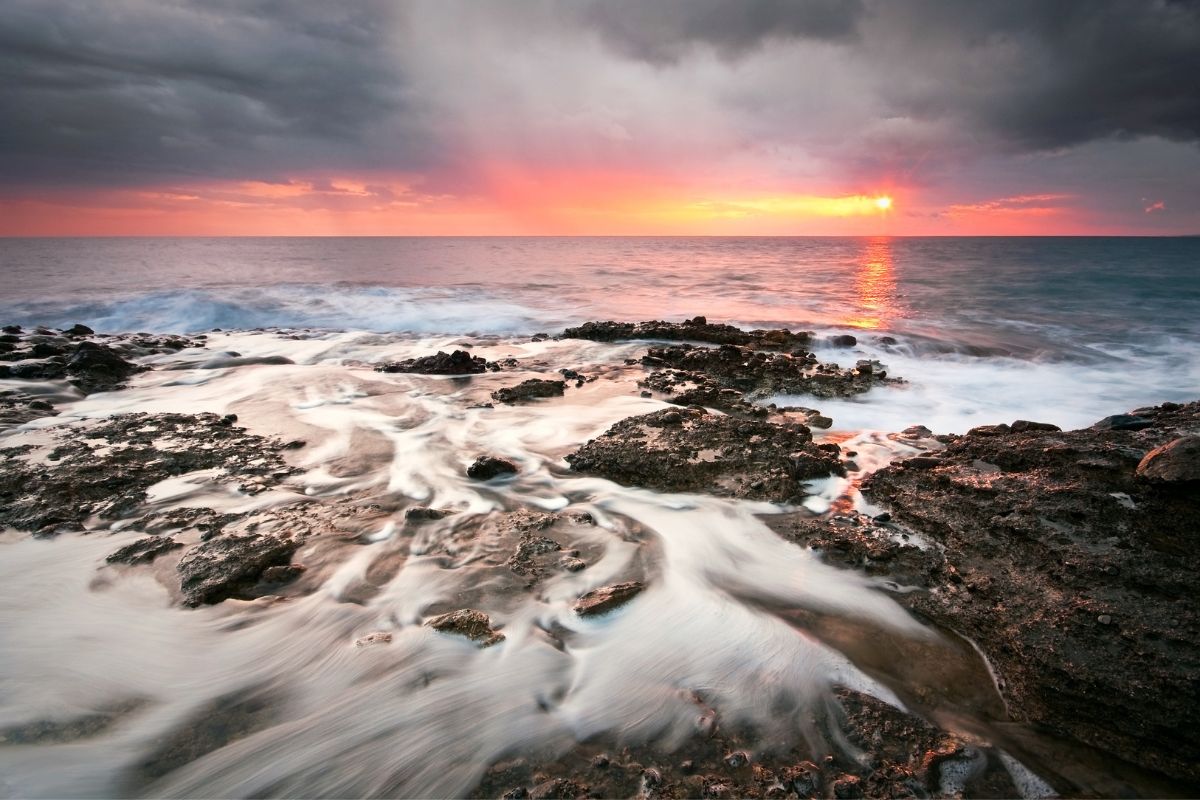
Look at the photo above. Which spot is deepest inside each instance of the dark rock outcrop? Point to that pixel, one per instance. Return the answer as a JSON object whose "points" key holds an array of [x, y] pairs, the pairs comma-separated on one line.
{"points": [[531, 389], [759, 374], [459, 362], [229, 566], [475, 625], [697, 329], [485, 468], [97, 368], [1075, 575], [606, 598], [690, 450], [144, 550]]}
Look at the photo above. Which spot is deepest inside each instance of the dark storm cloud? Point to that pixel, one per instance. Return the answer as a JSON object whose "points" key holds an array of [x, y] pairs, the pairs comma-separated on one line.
{"points": [[121, 90], [1045, 74], [665, 30]]}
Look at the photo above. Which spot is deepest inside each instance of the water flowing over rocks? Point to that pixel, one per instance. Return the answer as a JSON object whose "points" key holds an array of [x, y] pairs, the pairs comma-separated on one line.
{"points": [[606, 598], [691, 450], [104, 467]]}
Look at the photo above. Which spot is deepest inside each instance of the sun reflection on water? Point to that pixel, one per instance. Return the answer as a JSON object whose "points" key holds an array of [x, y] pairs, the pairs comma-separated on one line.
{"points": [[875, 296]]}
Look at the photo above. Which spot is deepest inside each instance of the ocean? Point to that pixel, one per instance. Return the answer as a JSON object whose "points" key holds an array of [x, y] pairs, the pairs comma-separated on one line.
{"points": [[336, 686]]}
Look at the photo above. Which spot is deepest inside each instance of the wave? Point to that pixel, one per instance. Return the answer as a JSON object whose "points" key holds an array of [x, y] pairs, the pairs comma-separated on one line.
{"points": [[335, 307]]}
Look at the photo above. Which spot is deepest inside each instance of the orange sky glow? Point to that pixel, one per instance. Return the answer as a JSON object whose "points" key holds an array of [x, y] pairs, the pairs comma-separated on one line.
{"points": [[513, 202]]}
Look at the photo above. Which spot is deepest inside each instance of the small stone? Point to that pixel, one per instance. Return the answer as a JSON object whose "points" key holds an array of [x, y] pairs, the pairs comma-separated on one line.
{"points": [[1104, 619], [282, 573], [845, 340], [79, 330], [485, 468], [1123, 422], [468, 622], [990, 430], [736, 759], [573, 564], [378, 637], [1022, 425], [600, 761], [426, 514], [820, 421], [922, 462], [646, 394], [228, 420], [606, 598]]}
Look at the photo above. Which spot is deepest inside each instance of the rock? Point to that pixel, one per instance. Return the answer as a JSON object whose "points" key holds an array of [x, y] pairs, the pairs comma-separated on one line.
{"points": [[468, 622], [81, 478], [144, 550], [426, 514], [757, 374], [921, 462], [459, 362], [690, 450], [819, 421], [572, 564], [47, 349], [229, 566], [844, 340], [378, 637], [97, 368], [1177, 461], [989, 430], [606, 598], [697, 329], [79, 330], [529, 390], [282, 573], [1022, 425], [11, 329], [485, 468], [1123, 422], [1026, 558]]}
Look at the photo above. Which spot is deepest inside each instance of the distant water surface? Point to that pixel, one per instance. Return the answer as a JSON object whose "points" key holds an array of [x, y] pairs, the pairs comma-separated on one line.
{"points": [[1122, 313]]}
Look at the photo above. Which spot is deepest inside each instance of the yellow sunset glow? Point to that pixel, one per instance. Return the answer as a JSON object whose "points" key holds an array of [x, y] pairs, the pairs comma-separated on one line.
{"points": [[883, 203]]}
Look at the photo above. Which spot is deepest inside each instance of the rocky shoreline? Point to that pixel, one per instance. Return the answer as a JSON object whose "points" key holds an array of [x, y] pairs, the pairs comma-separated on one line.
{"points": [[1066, 558]]}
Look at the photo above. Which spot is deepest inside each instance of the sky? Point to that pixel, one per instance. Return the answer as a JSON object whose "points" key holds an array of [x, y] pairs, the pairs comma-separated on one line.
{"points": [[599, 117]]}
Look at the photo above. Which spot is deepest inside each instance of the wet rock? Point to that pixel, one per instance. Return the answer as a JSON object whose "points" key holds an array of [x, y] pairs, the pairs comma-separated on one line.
{"points": [[468, 622], [572, 564], [1039, 534], [485, 468], [10, 330], [1177, 461], [459, 362], [229, 566], [529, 390], [989, 430], [697, 329], [282, 573], [426, 514], [758, 374], [79, 330], [17, 408], [144, 550], [98, 368], [690, 450], [1022, 425], [844, 340], [104, 467], [1123, 422], [606, 598], [378, 637]]}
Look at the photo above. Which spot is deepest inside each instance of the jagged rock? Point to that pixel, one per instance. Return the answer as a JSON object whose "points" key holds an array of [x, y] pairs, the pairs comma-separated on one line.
{"points": [[485, 468], [459, 362], [1177, 461], [468, 622], [229, 566], [529, 390], [759, 374], [97, 368], [144, 550], [690, 450], [697, 329], [606, 598]]}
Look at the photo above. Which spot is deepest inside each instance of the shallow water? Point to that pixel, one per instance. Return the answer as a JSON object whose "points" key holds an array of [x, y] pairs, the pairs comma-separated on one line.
{"points": [[984, 331]]}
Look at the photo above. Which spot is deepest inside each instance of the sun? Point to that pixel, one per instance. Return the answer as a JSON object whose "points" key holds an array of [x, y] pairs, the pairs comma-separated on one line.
{"points": [[883, 203]]}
